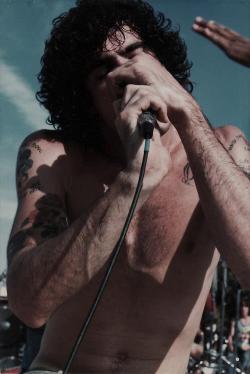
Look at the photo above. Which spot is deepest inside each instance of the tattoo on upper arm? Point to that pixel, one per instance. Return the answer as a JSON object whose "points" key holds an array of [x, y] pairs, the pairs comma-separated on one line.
{"points": [[236, 139], [24, 164], [243, 163], [46, 221]]}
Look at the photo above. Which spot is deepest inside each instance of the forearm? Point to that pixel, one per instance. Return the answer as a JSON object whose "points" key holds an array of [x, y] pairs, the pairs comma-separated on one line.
{"points": [[224, 192], [42, 278]]}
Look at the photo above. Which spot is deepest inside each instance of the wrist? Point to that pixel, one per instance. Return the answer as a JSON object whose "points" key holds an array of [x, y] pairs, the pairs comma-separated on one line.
{"points": [[192, 119]]}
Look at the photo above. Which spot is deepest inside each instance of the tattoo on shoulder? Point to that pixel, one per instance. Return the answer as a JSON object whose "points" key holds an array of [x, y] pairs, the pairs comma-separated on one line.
{"points": [[24, 164], [46, 221], [37, 147], [187, 175], [236, 140], [244, 165]]}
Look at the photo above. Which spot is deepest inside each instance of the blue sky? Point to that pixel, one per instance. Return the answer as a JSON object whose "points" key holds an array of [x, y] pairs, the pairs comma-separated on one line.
{"points": [[222, 87]]}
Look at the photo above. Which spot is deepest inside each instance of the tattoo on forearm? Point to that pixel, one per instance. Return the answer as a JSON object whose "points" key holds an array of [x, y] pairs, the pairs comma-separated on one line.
{"points": [[236, 139], [46, 221], [187, 175]]}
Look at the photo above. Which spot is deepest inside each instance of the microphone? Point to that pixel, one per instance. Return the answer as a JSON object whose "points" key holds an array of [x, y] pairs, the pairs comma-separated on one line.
{"points": [[146, 122]]}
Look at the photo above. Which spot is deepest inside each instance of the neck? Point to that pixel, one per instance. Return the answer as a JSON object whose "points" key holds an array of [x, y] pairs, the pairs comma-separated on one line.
{"points": [[113, 148], [171, 139]]}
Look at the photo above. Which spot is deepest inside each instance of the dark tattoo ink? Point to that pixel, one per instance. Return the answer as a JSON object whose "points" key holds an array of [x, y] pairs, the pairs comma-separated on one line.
{"points": [[245, 167], [187, 175], [46, 221], [35, 186], [24, 163], [16, 242], [234, 141], [37, 147]]}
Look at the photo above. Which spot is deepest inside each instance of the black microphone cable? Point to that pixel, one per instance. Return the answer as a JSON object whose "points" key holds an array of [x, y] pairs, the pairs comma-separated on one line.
{"points": [[146, 123]]}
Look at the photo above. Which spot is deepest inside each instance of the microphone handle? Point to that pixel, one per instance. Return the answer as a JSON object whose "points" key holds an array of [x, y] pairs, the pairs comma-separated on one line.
{"points": [[146, 122]]}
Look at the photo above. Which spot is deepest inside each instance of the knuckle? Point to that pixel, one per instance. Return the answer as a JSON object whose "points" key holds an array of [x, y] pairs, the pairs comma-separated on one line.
{"points": [[124, 116], [137, 67]]}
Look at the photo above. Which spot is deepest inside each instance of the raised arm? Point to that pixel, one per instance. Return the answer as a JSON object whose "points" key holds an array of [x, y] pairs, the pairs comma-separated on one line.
{"points": [[49, 259], [236, 46], [220, 162]]}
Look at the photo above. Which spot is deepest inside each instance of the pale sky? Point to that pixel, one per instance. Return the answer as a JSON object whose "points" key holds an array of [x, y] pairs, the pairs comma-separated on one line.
{"points": [[222, 87]]}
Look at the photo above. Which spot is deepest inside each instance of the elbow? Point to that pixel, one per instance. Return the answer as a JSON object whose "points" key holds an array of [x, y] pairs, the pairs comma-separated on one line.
{"points": [[25, 314], [25, 310]]}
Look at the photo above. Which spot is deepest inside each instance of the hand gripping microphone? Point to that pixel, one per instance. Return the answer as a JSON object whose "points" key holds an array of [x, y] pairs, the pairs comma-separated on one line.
{"points": [[146, 122]]}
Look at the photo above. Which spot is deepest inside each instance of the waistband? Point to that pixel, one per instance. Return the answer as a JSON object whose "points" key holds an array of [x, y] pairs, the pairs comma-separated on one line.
{"points": [[42, 371]]}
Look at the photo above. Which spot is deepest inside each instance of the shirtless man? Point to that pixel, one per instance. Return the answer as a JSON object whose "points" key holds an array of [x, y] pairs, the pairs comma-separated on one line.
{"points": [[74, 198]]}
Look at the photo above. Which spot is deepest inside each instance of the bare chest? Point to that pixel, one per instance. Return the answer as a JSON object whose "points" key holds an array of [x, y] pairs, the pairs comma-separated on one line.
{"points": [[170, 220]]}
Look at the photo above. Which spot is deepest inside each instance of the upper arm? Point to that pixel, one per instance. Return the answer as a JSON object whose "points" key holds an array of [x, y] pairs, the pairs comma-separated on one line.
{"points": [[41, 211], [237, 145]]}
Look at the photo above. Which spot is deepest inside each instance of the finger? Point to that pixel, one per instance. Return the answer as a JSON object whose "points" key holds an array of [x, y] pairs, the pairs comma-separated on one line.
{"points": [[213, 36], [133, 93], [129, 95], [118, 79], [200, 24], [221, 29], [143, 103], [200, 21]]}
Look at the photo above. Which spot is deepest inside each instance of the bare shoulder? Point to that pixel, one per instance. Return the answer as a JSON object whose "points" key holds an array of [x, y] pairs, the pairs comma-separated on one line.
{"points": [[237, 145], [231, 136], [41, 172], [45, 139]]}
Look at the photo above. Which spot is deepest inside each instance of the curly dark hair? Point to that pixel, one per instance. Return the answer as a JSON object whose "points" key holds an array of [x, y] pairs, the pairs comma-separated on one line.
{"points": [[77, 37]]}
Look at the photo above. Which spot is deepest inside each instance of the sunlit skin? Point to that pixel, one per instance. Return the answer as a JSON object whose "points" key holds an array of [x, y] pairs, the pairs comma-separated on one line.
{"points": [[151, 309], [236, 46]]}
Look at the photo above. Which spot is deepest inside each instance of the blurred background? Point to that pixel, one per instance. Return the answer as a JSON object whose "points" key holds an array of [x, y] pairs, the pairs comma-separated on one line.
{"points": [[222, 87]]}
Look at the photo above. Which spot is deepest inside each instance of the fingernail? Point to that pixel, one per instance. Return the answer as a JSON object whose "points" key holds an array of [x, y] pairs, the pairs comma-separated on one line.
{"points": [[199, 19]]}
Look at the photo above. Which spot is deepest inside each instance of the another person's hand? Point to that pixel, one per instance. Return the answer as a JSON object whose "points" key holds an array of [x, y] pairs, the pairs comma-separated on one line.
{"points": [[232, 43]]}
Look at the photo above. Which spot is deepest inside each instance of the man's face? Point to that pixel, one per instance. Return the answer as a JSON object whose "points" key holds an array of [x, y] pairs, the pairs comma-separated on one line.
{"points": [[103, 92], [244, 310]]}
